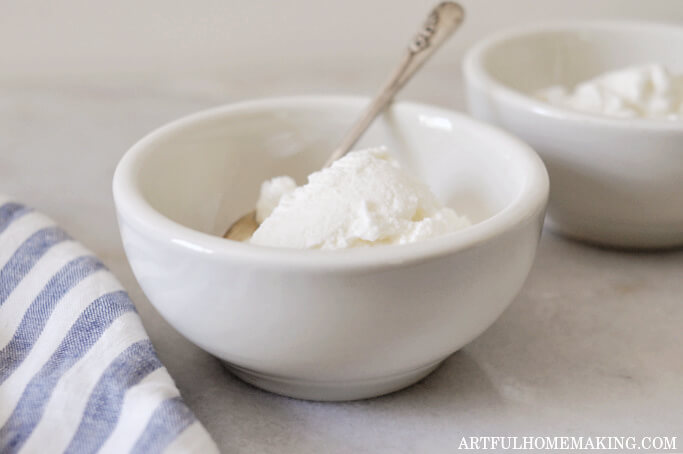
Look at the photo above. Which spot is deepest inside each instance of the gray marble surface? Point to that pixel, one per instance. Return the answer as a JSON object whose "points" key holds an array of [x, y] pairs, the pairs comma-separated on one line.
{"points": [[593, 345]]}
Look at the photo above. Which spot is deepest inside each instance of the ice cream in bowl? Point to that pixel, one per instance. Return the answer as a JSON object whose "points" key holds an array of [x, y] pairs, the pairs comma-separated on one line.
{"points": [[364, 199], [367, 274]]}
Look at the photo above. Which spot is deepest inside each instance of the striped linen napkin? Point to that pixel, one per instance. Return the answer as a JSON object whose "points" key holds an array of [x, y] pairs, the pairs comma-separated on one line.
{"points": [[78, 373]]}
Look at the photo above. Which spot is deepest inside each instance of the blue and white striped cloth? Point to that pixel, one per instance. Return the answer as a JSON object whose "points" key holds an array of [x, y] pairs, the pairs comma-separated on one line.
{"points": [[78, 373]]}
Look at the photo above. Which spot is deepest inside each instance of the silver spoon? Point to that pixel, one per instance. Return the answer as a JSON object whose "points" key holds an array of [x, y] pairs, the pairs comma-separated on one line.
{"points": [[442, 21]]}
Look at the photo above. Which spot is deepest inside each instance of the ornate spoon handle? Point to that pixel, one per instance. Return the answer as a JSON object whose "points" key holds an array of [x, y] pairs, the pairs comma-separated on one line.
{"points": [[442, 21]]}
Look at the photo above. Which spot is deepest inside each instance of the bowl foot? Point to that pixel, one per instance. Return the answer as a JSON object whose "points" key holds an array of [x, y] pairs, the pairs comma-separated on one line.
{"points": [[332, 390], [618, 237]]}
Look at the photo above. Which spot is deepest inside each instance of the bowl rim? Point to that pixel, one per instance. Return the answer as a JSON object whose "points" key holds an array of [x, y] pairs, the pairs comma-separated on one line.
{"points": [[474, 70], [133, 209]]}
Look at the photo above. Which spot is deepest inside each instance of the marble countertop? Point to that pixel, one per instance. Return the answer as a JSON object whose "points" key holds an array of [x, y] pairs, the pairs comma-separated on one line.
{"points": [[593, 345]]}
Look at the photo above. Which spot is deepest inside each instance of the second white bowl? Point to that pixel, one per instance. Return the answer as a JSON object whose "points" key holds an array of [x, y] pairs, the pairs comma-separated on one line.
{"points": [[615, 182]]}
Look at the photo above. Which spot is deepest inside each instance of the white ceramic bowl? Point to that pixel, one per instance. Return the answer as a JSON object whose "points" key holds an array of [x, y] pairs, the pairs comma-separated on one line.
{"points": [[615, 182], [326, 325]]}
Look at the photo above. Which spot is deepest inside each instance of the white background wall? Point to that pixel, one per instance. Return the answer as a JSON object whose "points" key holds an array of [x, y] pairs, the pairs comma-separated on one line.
{"points": [[148, 38]]}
